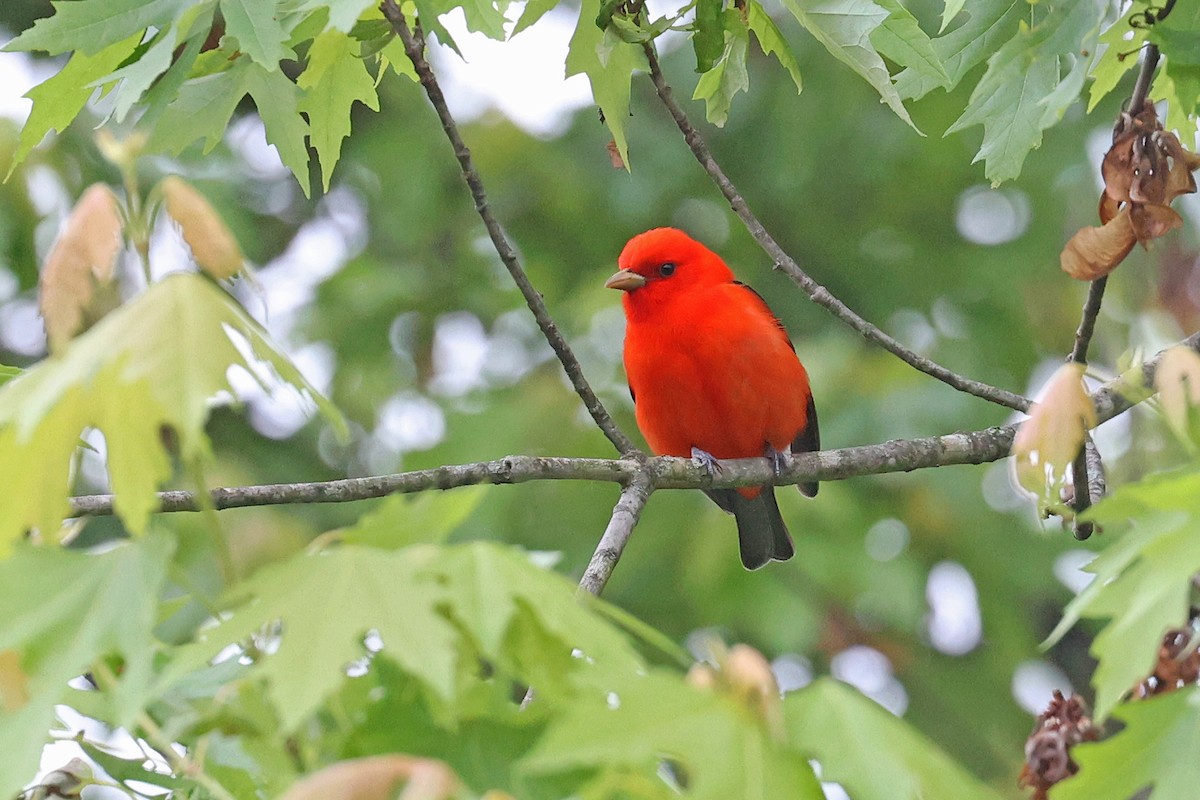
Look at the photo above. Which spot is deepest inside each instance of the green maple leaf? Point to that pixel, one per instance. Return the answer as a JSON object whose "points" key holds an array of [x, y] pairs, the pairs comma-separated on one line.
{"points": [[1023, 91], [158, 361], [873, 754], [258, 33], [1120, 54], [64, 610], [728, 76], [608, 63], [723, 750], [901, 39], [845, 27], [1157, 747], [430, 606], [1143, 580], [333, 80], [991, 23], [59, 99], [771, 40], [90, 26]]}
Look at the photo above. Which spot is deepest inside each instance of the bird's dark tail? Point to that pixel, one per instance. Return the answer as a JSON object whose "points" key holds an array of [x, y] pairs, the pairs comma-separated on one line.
{"points": [[762, 536]]}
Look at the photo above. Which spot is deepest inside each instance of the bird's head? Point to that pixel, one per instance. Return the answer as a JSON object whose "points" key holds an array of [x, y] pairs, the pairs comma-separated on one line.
{"points": [[665, 262]]}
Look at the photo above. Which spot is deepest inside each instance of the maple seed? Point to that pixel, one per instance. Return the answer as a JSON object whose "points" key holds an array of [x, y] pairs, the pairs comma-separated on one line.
{"points": [[212, 244], [1177, 380], [1144, 171], [73, 292], [1047, 443]]}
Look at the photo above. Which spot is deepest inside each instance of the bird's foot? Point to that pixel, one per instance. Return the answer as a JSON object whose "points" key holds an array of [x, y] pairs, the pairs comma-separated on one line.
{"points": [[779, 459], [707, 461]]}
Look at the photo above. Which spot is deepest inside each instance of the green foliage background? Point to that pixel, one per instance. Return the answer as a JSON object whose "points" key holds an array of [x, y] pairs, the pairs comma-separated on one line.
{"points": [[868, 207]]}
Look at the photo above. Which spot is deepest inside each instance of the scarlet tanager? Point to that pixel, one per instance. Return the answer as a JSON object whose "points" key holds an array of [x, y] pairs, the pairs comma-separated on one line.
{"points": [[714, 375]]}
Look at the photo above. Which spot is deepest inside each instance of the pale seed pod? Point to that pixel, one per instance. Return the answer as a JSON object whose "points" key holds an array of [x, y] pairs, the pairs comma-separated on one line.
{"points": [[212, 244], [80, 262]]}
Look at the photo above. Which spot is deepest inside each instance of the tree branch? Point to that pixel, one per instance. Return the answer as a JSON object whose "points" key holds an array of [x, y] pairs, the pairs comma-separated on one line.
{"points": [[1085, 483], [901, 455], [625, 516], [818, 293], [414, 47]]}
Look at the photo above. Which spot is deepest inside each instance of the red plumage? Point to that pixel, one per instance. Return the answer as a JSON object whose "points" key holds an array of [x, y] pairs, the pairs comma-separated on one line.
{"points": [[711, 368]]}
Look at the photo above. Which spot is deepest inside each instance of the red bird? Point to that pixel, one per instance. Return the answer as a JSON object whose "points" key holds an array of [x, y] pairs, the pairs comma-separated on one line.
{"points": [[713, 375]]}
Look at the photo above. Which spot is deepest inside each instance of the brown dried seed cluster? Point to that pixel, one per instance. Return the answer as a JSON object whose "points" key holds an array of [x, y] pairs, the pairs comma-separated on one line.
{"points": [[1064, 724], [1178, 665], [1144, 171]]}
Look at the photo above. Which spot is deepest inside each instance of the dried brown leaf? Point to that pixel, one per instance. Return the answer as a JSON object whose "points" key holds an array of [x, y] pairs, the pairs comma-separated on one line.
{"points": [[1096, 251], [81, 260], [1047, 443], [1150, 222], [377, 778], [212, 244], [1117, 168], [1109, 208]]}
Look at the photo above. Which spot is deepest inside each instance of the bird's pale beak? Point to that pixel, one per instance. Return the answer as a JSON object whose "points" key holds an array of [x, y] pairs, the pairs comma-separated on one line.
{"points": [[625, 280]]}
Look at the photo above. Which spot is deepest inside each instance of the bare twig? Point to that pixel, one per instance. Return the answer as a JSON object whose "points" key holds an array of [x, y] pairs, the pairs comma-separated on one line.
{"points": [[902, 455], [1085, 482], [818, 293], [414, 48], [625, 516]]}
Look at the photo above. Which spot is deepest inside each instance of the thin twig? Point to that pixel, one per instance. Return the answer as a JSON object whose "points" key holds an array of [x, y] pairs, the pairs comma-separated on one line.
{"points": [[625, 516], [816, 292], [414, 47], [902, 455], [1084, 483]]}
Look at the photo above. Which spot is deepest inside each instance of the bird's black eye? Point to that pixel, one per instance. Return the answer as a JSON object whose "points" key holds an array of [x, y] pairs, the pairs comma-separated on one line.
{"points": [[667, 270]]}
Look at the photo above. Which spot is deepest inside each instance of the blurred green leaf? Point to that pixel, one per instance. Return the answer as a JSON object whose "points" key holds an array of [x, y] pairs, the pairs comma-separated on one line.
{"points": [[845, 731], [719, 748], [1142, 583], [427, 518], [62, 612], [1156, 748], [421, 601], [154, 363]]}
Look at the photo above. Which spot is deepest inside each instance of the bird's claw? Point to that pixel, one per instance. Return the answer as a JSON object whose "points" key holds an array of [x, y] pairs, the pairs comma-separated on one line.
{"points": [[707, 461], [779, 459]]}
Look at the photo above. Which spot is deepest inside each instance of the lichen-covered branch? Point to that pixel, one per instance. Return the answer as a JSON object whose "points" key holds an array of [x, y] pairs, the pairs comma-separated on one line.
{"points": [[625, 516], [901, 455]]}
